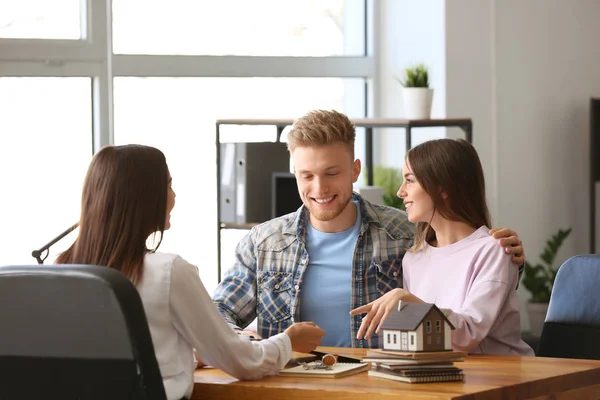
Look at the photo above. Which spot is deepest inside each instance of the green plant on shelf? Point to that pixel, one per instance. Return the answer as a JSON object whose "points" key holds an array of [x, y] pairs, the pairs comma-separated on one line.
{"points": [[390, 179], [415, 77], [539, 278]]}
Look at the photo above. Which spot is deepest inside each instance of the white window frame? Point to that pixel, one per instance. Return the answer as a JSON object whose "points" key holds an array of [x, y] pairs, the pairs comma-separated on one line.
{"points": [[92, 56]]}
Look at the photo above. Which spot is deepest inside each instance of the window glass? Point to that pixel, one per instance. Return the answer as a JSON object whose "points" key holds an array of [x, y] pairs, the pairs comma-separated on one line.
{"points": [[46, 147], [41, 19], [239, 27]]}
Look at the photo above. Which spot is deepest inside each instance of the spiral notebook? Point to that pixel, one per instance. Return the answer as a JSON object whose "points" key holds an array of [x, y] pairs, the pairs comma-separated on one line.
{"points": [[442, 377], [339, 370]]}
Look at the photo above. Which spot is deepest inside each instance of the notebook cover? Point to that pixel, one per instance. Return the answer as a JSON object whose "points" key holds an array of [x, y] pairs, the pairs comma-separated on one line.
{"points": [[418, 379], [339, 370]]}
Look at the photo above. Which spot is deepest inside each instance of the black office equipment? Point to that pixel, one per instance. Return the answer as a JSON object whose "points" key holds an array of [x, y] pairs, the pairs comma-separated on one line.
{"points": [[285, 197], [42, 253]]}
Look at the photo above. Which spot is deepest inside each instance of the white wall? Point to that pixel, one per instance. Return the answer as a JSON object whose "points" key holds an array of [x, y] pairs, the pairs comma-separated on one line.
{"points": [[410, 32], [525, 72]]}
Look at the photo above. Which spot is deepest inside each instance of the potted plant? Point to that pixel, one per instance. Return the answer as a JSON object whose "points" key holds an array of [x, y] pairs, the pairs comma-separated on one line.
{"points": [[417, 94], [538, 279], [390, 179], [386, 182]]}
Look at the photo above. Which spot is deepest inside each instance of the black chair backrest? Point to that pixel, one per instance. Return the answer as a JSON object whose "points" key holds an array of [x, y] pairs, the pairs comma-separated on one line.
{"points": [[572, 325], [74, 332]]}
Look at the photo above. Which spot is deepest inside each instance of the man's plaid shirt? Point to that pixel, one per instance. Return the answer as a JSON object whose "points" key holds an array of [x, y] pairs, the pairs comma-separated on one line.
{"points": [[266, 277]]}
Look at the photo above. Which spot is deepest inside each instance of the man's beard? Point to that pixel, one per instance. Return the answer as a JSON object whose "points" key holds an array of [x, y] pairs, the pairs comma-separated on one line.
{"points": [[329, 215]]}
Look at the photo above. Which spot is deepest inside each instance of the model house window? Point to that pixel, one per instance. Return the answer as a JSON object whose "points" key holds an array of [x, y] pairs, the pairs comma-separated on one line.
{"points": [[395, 337], [428, 339], [428, 326], [412, 340], [438, 340], [389, 340], [438, 326]]}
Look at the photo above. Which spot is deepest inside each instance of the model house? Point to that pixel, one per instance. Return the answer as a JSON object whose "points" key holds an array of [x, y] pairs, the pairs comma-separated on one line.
{"points": [[416, 327]]}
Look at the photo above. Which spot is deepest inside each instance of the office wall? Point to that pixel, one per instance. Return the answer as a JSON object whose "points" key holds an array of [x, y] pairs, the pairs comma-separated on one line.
{"points": [[525, 71], [410, 32]]}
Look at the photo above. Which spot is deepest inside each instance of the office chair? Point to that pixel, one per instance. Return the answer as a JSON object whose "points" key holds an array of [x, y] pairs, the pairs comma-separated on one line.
{"points": [[572, 325], [74, 332]]}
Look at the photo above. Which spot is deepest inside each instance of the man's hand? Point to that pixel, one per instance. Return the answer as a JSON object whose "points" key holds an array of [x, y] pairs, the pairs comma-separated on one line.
{"points": [[378, 310], [511, 243]]}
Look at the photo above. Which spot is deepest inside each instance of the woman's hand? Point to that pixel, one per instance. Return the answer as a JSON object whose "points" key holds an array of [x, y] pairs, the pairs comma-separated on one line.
{"points": [[305, 336], [378, 310]]}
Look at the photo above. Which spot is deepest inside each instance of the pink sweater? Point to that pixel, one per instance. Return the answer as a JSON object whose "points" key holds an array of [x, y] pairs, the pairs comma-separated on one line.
{"points": [[475, 280]]}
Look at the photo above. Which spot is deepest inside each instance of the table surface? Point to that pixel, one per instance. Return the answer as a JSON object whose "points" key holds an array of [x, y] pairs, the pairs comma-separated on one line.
{"points": [[486, 377]]}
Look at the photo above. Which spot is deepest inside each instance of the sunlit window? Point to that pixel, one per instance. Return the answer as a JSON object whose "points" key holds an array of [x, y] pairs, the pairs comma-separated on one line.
{"points": [[41, 19], [239, 27], [46, 147]]}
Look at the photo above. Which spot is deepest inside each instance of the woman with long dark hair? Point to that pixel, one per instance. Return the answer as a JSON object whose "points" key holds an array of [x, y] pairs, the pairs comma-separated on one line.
{"points": [[127, 199]]}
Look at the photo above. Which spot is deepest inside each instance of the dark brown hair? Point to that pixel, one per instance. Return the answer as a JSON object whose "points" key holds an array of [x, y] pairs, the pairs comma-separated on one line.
{"points": [[321, 127], [450, 166], [124, 201]]}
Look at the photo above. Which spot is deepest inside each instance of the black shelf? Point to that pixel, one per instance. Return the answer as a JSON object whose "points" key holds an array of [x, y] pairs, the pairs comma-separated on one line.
{"points": [[368, 124]]}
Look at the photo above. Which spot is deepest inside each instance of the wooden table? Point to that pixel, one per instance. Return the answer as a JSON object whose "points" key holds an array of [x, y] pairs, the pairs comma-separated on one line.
{"points": [[486, 377]]}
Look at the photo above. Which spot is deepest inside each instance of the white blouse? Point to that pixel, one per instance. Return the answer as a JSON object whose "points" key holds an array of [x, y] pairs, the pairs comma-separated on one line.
{"points": [[182, 317]]}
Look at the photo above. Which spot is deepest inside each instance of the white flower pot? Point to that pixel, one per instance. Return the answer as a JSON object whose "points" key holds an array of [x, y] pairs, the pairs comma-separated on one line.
{"points": [[417, 102], [537, 316]]}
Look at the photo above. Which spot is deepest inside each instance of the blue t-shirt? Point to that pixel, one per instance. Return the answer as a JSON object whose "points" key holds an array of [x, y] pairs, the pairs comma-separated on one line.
{"points": [[327, 282]]}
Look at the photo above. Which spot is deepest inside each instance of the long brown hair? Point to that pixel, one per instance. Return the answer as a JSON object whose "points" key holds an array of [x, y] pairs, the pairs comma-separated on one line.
{"points": [[124, 201], [450, 166]]}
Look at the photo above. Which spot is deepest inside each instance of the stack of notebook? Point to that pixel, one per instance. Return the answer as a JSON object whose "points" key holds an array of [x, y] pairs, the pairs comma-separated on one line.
{"points": [[415, 367]]}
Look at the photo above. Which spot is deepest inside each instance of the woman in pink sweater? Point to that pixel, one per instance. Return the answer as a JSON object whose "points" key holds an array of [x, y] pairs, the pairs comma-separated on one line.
{"points": [[454, 263]]}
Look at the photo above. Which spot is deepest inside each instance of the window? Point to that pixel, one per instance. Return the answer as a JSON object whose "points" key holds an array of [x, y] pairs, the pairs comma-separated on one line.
{"points": [[428, 326], [428, 339], [40, 19], [412, 339], [389, 338], [438, 339], [438, 326], [395, 338], [65, 95], [46, 146], [239, 27]]}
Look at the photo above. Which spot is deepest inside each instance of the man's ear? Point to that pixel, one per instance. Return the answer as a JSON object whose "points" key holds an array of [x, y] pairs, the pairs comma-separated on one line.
{"points": [[356, 167]]}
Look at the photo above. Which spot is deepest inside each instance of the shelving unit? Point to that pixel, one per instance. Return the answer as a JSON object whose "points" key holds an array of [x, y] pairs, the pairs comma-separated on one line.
{"points": [[368, 124]]}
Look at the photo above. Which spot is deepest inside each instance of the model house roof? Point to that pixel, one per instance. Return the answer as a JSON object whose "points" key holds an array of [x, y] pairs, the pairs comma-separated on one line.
{"points": [[410, 316]]}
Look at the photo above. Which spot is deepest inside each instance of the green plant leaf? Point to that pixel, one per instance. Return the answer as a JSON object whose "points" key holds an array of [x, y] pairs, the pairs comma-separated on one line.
{"points": [[539, 279], [416, 76], [390, 179]]}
